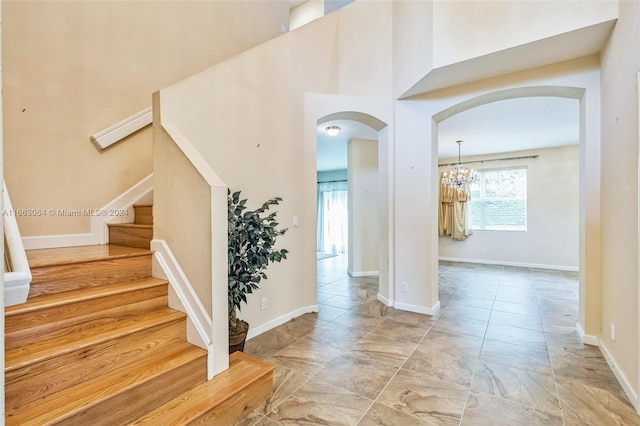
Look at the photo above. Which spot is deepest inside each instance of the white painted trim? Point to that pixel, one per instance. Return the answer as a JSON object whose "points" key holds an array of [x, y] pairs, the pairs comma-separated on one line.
{"points": [[505, 263], [110, 213], [256, 331], [418, 309], [410, 308], [123, 128], [363, 273], [16, 282], [199, 320], [384, 300], [587, 339], [99, 219], [622, 379], [63, 240]]}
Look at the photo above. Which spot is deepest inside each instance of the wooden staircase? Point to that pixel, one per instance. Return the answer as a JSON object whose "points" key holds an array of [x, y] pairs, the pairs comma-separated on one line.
{"points": [[136, 234], [96, 344]]}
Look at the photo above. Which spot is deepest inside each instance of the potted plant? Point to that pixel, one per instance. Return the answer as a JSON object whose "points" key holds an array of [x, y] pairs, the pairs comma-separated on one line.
{"points": [[252, 237]]}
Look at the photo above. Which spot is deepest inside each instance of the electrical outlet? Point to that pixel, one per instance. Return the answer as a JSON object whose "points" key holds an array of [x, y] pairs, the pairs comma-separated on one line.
{"points": [[405, 287], [484, 251], [613, 332], [263, 304]]}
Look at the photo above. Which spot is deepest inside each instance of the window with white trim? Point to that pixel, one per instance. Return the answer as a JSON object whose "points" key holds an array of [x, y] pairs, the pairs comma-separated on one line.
{"points": [[499, 200]]}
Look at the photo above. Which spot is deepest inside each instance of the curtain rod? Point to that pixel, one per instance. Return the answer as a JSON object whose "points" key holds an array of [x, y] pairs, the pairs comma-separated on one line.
{"points": [[333, 181], [493, 159]]}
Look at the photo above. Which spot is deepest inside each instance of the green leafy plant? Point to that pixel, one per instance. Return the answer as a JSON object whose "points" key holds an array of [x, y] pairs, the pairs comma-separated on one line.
{"points": [[252, 237]]}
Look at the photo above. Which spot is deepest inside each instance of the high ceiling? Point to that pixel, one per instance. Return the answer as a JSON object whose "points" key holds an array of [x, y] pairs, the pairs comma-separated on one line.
{"points": [[504, 126]]}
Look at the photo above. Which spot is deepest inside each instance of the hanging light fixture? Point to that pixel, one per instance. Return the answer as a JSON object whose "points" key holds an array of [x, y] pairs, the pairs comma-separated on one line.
{"points": [[460, 176], [332, 130]]}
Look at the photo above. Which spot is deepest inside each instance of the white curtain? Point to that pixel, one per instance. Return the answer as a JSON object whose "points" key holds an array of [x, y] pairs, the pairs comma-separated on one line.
{"points": [[332, 217]]}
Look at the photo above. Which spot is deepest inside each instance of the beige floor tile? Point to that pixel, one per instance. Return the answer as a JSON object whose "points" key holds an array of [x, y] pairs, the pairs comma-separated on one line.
{"points": [[585, 404], [384, 349], [534, 360], [483, 409], [516, 308], [435, 401], [322, 404], [305, 356], [465, 311], [458, 325], [523, 360], [338, 336], [358, 374], [532, 322], [446, 357], [267, 344], [381, 415], [517, 335], [285, 383], [530, 389]]}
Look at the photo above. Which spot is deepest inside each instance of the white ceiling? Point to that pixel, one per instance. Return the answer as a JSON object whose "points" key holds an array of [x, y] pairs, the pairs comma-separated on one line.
{"points": [[503, 126]]}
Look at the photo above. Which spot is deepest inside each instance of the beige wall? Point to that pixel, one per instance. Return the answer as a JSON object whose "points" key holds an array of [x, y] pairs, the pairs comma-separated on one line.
{"points": [[551, 239], [73, 68], [460, 28], [620, 65], [363, 207]]}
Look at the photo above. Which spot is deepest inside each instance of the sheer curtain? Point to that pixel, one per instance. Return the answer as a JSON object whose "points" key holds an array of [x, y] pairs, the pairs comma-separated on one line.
{"points": [[332, 217]]}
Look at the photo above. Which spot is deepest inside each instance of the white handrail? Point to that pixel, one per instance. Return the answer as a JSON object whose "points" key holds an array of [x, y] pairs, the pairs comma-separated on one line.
{"points": [[17, 280], [122, 129]]}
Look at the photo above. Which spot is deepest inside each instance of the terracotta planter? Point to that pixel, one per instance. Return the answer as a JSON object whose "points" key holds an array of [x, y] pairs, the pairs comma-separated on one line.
{"points": [[236, 341]]}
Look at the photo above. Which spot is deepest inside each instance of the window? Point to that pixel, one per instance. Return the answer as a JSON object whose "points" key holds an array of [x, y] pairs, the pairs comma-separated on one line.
{"points": [[499, 200]]}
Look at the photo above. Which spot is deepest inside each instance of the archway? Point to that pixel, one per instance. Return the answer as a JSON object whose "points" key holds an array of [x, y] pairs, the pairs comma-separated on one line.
{"points": [[588, 257], [368, 195]]}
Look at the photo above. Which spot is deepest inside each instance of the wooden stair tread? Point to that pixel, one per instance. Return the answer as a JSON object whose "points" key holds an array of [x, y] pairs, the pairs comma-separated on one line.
{"points": [[46, 349], [76, 399], [244, 370], [79, 295], [72, 255], [131, 225]]}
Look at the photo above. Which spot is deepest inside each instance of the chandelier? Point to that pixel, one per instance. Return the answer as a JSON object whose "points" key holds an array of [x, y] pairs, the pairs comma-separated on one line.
{"points": [[459, 176]]}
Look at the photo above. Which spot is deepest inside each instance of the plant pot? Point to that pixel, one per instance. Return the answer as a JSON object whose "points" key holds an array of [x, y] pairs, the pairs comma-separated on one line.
{"points": [[237, 338]]}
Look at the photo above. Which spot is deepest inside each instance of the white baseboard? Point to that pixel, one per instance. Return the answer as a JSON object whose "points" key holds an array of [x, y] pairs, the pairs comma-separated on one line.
{"points": [[418, 309], [362, 273], [124, 201], [256, 331], [410, 308], [199, 322], [505, 263], [99, 229], [587, 339], [64, 240], [622, 379]]}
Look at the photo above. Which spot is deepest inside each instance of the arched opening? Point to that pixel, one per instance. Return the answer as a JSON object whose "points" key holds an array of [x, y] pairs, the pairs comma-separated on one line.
{"points": [[573, 93], [353, 200]]}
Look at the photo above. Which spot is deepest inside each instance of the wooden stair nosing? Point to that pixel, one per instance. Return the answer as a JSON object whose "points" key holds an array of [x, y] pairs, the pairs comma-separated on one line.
{"points": [[28, 384], [51, 348], [40, 328], [244, 374], [75, 255], [131, 225], [74, 405], [80, 295]]}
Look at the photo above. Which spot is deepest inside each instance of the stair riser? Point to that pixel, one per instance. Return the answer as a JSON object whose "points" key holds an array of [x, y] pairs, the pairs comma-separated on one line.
{"points": [[61, 278], [239, 405], [130, 237], [34, 382], [66, 319], [144, 215], [126, 407]]}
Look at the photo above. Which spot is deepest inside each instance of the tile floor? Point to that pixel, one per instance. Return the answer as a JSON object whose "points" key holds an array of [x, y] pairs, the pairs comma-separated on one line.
{"points": [[502, 351]]}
